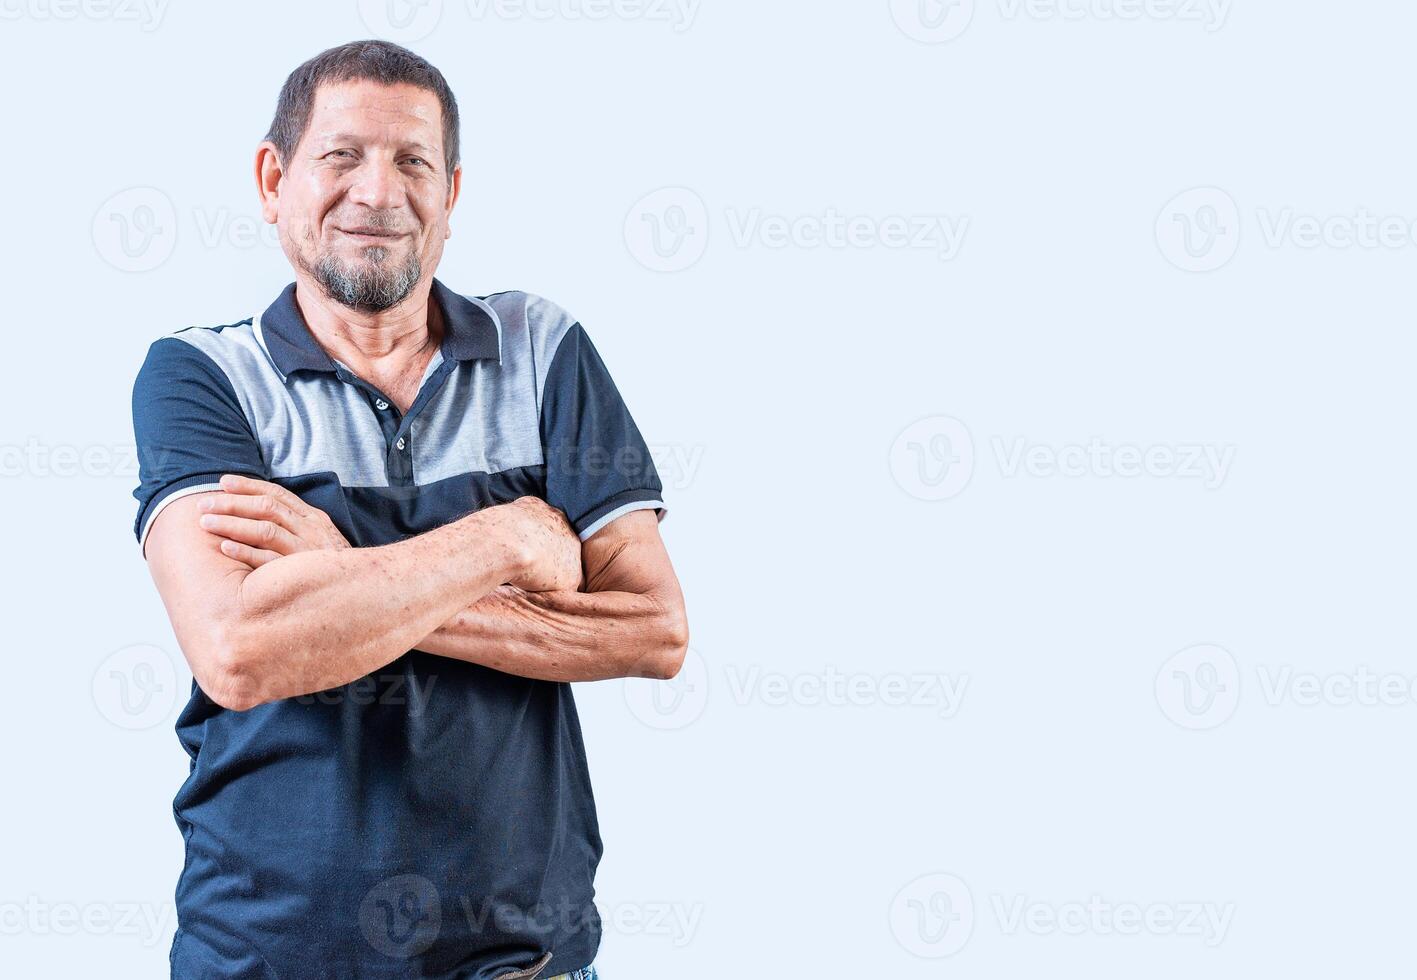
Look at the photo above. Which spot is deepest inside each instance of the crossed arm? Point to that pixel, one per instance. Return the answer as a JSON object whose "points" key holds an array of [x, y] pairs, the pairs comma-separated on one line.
{"points": [[269, 601]]}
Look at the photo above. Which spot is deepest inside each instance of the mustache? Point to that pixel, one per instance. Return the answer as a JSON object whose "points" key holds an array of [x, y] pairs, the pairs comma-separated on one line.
{"points": [[373, 221]]}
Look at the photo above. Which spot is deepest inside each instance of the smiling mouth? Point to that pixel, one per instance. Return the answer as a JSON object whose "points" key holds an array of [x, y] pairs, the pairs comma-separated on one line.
{"points": [[372, 234]]}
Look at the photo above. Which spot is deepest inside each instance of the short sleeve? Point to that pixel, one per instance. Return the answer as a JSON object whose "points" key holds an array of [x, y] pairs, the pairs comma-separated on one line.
{"points": [[190, 429], [597, 464]]}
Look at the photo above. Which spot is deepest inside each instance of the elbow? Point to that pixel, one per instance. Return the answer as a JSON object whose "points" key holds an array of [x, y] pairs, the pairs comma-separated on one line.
{"points": [[671, 648], [230, 693], [229, 675]]}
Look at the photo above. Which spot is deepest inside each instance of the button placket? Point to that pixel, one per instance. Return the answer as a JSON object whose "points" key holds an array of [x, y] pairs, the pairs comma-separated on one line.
{"points": [[398, 462]]}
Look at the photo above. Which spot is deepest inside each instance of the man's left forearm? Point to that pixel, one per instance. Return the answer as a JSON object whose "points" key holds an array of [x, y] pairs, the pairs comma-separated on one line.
{"points": [[629, 621], [566, 636]]}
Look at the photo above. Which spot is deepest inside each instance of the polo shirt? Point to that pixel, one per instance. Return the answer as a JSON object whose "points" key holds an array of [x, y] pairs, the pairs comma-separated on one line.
{"points": [[435, 818]]}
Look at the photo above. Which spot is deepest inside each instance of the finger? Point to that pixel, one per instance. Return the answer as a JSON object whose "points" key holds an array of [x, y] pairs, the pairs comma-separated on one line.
{"points": [[261, 507], [247, 555], [236, 483], [258, 534]]}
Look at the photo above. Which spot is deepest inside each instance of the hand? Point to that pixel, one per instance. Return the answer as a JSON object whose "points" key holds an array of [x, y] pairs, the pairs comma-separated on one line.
{"points": [[550, 548], [259, 522]]}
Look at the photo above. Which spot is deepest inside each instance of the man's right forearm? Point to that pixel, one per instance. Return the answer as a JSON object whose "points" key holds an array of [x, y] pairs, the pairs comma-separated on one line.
{"points": [[315, 620]]}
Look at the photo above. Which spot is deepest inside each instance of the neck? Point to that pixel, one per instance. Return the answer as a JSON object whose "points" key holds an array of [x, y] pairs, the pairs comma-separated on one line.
{"points": [[401, 335]]}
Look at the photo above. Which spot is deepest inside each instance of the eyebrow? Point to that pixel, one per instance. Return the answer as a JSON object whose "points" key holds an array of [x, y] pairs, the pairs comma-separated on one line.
{"points": [[355, 138]]}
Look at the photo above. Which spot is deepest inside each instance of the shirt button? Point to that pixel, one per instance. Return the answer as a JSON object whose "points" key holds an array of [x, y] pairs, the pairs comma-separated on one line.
{"points": [[399, 444], [380, 404]]}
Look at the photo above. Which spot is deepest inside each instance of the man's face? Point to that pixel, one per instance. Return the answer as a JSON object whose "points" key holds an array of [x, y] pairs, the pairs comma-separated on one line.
{"points": [[363, 203]]}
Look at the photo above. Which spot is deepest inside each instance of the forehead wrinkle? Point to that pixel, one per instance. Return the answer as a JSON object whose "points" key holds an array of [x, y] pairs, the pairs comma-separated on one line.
{"points": [[403, 99], [403, 124]]}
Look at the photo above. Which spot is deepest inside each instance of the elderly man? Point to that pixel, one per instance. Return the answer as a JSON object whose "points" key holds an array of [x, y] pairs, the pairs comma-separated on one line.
{"points": [[389, 524]]}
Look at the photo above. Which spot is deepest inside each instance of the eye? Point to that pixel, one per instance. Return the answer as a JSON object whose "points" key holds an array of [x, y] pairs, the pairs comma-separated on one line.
{"points": [[419, 161], [346, 153]]}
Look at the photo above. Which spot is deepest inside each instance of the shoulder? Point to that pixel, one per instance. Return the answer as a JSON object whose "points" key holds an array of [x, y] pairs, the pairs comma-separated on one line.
{"points": [[209, 357], [190, 343], [544, 322], [543, 331]]}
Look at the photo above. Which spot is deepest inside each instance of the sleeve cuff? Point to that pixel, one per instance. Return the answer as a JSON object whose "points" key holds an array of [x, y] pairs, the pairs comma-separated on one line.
{"points": [[618, 506], [201, 483]]}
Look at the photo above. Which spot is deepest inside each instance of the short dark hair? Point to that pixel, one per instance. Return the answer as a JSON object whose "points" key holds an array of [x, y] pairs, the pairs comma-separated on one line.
{"points": [[377, 61]]}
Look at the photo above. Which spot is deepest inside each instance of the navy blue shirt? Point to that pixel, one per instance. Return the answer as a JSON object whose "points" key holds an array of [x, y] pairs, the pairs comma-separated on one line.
{"points": [[435, 818]]}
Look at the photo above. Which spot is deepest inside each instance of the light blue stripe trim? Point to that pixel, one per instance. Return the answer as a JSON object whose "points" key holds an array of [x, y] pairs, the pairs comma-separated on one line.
{"points": [[623, 510], [161, 504]]}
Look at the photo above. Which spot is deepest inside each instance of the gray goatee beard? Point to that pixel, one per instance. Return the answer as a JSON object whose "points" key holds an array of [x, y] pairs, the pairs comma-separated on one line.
{"points": [[369, 286]]}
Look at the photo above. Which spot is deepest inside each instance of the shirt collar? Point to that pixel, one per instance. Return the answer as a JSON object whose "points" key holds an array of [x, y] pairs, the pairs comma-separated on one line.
{"points": [[471, 331]]}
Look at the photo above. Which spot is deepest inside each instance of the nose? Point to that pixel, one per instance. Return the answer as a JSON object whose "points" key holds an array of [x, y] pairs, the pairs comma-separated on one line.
{"points": [[376, 184]]}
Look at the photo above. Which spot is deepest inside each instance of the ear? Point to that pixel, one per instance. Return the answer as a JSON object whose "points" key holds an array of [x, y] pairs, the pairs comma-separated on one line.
{"points": [[268, 176], [454, 189]]}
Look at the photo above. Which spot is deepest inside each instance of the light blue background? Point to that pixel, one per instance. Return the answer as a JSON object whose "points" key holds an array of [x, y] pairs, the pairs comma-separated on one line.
{"points": [[793, 833]]}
